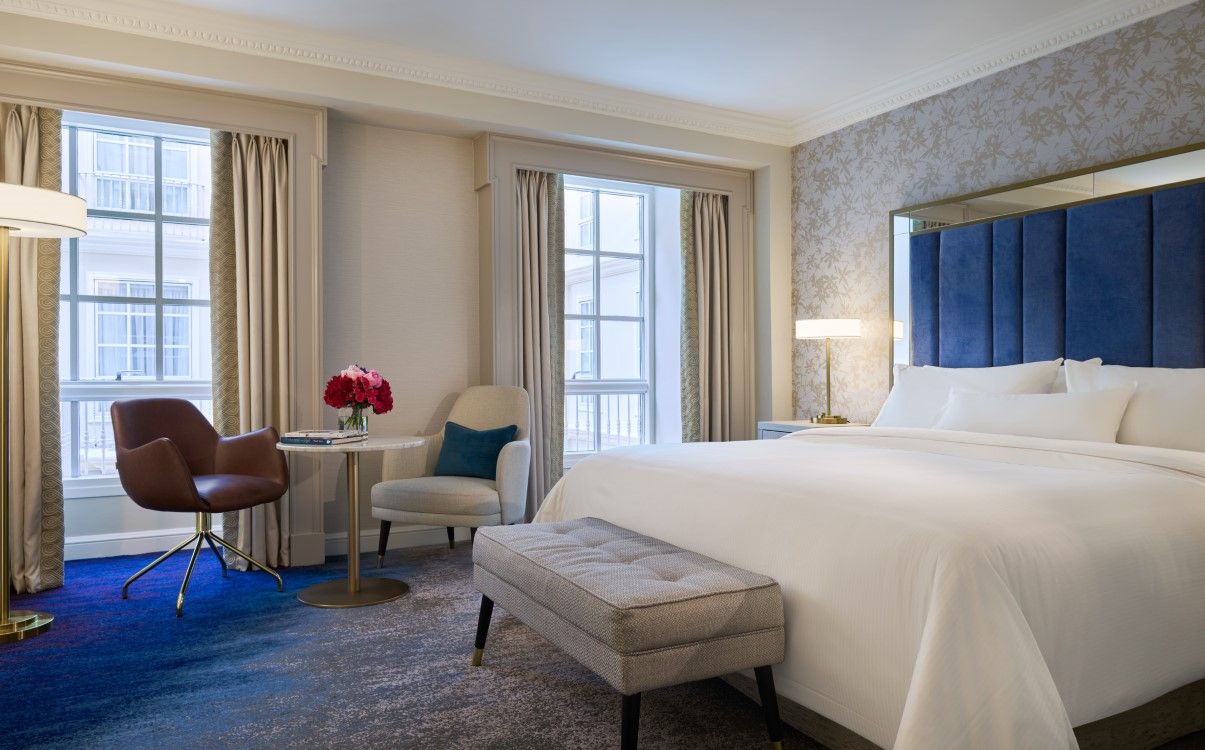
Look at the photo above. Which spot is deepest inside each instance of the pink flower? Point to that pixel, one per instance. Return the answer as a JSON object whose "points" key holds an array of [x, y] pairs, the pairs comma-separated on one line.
{"points": [[357, 386]]}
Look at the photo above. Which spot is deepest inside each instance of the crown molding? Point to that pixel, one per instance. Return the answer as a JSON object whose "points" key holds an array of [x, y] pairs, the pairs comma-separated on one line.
{"points": [[1059, 32], [225, 32], [248, 36]]}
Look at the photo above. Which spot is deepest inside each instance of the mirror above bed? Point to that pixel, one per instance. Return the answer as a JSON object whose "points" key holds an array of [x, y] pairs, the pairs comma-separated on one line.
{"points": [[1007, 219]]}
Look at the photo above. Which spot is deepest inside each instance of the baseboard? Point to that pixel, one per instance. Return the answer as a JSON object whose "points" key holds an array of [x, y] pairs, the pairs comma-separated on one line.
{"points": [[306, 549], [399, 538], [124, 543]]}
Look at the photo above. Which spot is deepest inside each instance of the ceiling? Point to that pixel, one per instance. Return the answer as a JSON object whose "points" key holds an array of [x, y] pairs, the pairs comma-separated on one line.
{"points": [[784, 70]]}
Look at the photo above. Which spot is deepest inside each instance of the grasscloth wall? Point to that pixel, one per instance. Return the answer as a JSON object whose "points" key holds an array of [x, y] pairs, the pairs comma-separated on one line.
{"points": [[399, 281], [1127, 93]]}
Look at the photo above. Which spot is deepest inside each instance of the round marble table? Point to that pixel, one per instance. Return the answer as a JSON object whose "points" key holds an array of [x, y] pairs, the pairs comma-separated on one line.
{"points": [[356, 591]]}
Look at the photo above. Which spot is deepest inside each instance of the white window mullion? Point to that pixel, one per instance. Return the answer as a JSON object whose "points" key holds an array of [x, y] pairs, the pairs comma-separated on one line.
{"points": [[135, 300], [619, 409]]}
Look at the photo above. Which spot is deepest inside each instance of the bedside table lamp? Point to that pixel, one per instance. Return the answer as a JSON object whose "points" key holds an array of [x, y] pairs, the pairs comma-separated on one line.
{"points": [[828, 329], [24, 212]]}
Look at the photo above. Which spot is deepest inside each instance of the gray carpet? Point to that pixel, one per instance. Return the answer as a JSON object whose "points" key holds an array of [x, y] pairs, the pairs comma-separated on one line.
{"points": [[398, 676], [248, 667], [418, 690]]}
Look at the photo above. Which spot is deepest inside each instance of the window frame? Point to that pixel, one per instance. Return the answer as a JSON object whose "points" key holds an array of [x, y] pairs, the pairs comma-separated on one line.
{"points": [[598, 387], [73, 392]]}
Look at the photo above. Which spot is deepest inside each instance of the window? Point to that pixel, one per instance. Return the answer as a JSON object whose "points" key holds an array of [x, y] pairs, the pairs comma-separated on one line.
{"points": [[134, 292], [607, 307]]}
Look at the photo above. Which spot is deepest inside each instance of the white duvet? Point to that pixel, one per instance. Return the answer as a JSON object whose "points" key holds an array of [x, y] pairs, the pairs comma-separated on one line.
{"points": [[942, 589]]}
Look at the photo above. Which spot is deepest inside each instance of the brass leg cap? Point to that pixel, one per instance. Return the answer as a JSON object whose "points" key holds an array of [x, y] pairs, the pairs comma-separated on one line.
{"points": [[380, 561], [477, 654], [776, 745]]}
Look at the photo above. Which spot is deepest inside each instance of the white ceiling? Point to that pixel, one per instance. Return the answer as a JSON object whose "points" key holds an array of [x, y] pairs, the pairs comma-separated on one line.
{"points": [[797, 68]]}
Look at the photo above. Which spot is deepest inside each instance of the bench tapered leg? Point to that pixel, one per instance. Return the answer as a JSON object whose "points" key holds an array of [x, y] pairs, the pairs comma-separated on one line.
{"points": [[769, 705], [483, 629], [630, 722]]}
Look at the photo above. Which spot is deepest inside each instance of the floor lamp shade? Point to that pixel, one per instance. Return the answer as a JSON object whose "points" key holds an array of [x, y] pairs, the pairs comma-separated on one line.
{"points": [[24, 212], [34, 212], [828, 329]]}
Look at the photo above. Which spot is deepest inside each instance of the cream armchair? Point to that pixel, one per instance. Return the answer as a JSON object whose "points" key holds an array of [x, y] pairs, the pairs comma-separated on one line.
{"points": [[408, 493]]}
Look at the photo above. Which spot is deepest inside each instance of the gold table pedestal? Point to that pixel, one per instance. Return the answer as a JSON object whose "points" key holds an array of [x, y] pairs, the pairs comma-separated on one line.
{"points": [[355, 591], [335, 594]]}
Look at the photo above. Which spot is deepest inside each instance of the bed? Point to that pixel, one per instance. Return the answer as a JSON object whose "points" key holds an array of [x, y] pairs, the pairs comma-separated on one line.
{"points": [[963, 590]]}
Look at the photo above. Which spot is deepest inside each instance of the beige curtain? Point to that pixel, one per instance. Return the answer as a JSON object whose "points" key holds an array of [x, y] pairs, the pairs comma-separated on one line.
{"points": [[31, 154], [541, 240], [706, 327], [249, 276]]}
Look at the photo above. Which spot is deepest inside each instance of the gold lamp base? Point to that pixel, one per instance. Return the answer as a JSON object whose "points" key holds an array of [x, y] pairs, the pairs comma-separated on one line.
{"points": [[336, 594], [23, 624], [829, 419]]}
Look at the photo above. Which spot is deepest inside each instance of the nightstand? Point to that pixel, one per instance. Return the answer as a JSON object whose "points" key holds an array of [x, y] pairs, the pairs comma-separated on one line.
{"points": [[777, 428]]}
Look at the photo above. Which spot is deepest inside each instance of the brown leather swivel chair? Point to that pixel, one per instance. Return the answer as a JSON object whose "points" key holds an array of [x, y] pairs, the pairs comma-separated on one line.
{"points": [[170, 458]]}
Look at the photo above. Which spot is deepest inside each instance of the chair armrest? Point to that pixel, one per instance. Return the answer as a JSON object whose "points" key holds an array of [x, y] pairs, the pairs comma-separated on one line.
{"points": [[253, 454], [410, 463], [156, 476], [514, 467]]}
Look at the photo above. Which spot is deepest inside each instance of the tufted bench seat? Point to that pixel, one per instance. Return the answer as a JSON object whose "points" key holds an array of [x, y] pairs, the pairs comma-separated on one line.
{"points": [[639, 612]]}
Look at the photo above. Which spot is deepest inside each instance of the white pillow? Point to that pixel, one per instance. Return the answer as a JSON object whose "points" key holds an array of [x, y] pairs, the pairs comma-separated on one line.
{"points": [[1092, 415], [920, 393], [1168, 408], [1060, 380]]}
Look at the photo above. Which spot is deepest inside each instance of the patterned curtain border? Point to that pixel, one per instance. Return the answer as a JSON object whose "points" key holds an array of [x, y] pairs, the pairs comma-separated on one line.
{"points": [[692, 428], [50, 176], [223, 318], [556, 327]]}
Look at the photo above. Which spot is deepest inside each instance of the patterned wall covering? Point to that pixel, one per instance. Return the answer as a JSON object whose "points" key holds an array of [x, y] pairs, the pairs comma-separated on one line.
{"points": [[1133, 91]]}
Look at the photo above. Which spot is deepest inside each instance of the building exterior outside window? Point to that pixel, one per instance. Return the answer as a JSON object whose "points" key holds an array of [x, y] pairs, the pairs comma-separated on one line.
{"points": [[134, 292], [607, 309]]}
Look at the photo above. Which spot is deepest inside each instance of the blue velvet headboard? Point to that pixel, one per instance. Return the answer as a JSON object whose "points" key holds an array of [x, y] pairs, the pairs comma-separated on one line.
{"points": [[1122, 279]]}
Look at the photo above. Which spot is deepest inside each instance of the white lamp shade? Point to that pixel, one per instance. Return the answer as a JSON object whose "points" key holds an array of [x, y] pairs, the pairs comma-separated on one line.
{"points": [[34, 212], [828, 328], [897, 330]]}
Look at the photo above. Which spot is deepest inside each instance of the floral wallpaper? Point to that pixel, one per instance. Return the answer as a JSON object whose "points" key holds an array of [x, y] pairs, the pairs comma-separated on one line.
{"points": [[1133, 91]]}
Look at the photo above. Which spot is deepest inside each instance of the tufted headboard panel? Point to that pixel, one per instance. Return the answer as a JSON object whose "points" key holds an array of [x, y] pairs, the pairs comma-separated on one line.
{"points": [[1122, 279]]}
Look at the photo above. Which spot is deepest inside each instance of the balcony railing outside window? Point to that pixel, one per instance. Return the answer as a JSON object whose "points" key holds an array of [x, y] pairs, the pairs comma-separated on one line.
{"points": [[134, 295]]}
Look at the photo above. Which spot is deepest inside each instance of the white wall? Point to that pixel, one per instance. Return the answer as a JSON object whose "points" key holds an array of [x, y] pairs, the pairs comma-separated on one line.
{"points": [[400, 283]]}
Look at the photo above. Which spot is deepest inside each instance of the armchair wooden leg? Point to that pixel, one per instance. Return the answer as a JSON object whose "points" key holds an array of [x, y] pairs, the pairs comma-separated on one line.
{"points": [[383, 543], [483, 629], [769, 705], [451, 538], [630, 722]]}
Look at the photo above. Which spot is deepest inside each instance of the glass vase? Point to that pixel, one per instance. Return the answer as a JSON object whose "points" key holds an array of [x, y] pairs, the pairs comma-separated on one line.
{"points": [[354, 419]]}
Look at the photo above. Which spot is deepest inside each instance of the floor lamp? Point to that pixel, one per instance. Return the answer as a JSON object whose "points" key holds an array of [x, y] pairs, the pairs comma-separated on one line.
{"points": [[24, 212]]}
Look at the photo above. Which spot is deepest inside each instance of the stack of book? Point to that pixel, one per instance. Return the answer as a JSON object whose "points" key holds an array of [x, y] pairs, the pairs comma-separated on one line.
{"points": [[323, 437]]}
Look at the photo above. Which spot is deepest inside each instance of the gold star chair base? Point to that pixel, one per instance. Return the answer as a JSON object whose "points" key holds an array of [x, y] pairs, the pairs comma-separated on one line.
{"points": [[202, 536]]}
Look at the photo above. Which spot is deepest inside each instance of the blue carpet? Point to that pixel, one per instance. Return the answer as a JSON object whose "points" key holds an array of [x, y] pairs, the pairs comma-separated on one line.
{"points": [[250, 667]]}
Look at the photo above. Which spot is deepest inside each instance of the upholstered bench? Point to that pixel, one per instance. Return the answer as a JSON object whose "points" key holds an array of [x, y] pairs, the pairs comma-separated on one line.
{"points": [[639, 612]]}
